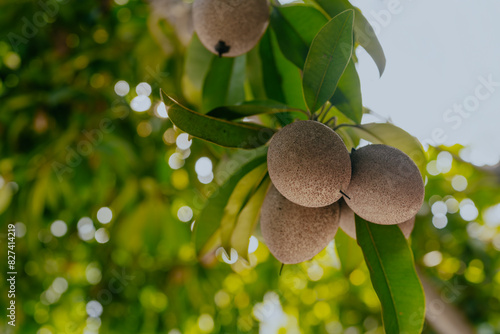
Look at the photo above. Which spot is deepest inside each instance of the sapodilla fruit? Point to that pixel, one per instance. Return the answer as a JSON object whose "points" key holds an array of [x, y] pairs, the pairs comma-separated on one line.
{"points": [[348, 223], [309, 164], [295, 233], [230, 28], [386, 186]]}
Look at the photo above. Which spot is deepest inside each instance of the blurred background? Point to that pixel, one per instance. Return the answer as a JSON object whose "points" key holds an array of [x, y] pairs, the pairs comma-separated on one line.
{"points": [[103, 191]]}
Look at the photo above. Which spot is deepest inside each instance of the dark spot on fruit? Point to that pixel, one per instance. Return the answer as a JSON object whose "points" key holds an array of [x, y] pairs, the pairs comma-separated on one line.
{"points": [[221, 47]]}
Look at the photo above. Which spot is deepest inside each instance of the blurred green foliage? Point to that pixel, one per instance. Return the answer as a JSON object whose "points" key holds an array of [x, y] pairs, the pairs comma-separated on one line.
{"points": [[70, 146]]}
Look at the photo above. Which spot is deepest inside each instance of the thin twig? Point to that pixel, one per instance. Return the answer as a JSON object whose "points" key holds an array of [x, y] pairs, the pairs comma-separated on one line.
{"points": [[318, 115], [345, 124], [334, 119], [326, 113]]}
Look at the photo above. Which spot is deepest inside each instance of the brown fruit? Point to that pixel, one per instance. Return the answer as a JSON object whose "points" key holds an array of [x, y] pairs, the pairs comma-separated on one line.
{"points": [[348, 224], [309, 164], [347, 220], [386, 186], [294, 233], [230, 28]]}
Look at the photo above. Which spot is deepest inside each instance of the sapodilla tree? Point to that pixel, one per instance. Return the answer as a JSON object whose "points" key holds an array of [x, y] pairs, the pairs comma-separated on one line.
{"points": [[230, 28], [295, 233], [309, 164], [386, 186]]}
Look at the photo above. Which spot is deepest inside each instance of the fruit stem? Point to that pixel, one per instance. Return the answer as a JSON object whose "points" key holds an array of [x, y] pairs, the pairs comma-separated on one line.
{"points": [[343, 193], [281, 269]]}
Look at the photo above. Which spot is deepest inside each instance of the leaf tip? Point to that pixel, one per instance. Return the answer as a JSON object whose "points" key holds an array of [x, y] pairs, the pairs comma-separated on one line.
{"points": [[381, 66]]}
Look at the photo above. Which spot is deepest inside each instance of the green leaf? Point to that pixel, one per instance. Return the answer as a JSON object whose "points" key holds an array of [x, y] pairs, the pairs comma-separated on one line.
{"points": [[248, 219], [243, 190], [254, 74], [305, 20], [347, 96], [272, 79], [224, 82], [292, 45], [366, 37], [389, 134], [5, 197], [393, 275], [209, 219], [349, 252], [291, 77], [251, 108], [214, 130], [363, 31], [197, 63], [231, 161], [327, 59], [211, 245]]}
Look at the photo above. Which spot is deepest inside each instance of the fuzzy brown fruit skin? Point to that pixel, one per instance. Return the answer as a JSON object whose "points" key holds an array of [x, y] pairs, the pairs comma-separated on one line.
{"points": [[386, 186], [239, 24], [348, 223], [294, 233], [309, 164]]}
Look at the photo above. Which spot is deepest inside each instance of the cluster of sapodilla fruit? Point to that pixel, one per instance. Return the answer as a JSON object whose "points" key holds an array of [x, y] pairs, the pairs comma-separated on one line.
{"points": [[317, 185]]}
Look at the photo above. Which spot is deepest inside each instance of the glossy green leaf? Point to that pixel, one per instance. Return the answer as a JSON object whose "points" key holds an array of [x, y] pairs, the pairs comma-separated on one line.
{"points": [[254, 107], [347, 97], [214, 130], [209, 219], [255, 75], [291, 78], [393, 275], [241, 193], [305, 20], [389, 134], [272, 79], [248, 219], [349, 252], [327, 59], [292, 45], [364, 33], [223, 84], [366, 37]]}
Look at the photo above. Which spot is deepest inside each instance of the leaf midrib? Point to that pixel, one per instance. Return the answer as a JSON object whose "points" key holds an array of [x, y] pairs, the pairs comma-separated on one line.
{"points": [[383, 271], [329, 62]]}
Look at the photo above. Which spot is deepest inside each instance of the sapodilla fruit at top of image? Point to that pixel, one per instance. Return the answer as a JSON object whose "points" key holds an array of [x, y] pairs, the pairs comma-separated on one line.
{"points": [[386, 186], [348, 223], [309, 164], [295, 233], [230, 28]]}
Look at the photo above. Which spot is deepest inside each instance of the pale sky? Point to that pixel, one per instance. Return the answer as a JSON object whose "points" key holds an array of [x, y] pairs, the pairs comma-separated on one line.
{"points": [[438, 53], [439, 56]]}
